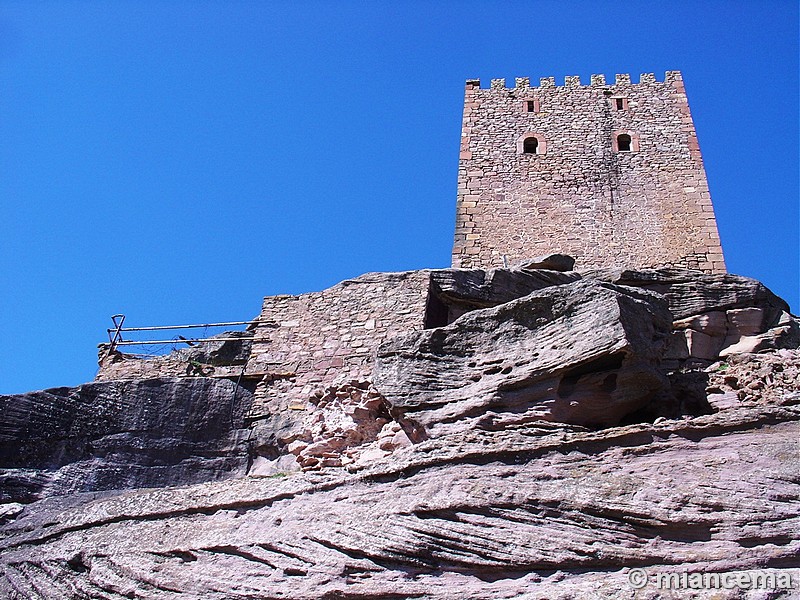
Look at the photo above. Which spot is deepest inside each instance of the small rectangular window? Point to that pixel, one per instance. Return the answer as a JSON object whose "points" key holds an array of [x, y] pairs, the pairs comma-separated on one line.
{"points": [[620, 103], [532, 106]]}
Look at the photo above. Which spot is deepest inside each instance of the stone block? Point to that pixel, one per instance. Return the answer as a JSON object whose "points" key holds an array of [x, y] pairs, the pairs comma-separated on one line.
{"points": [[714, 323], [703, 346], [746, 321], [584, 353]]}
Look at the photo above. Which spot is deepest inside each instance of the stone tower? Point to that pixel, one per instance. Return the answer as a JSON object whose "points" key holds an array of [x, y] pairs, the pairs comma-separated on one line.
{"points": [[609, 174]]}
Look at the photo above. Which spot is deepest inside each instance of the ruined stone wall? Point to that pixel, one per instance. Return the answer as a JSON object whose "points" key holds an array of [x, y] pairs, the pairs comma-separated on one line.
{"points": [[312, 340], [578, 194], [206, 359], [300, 342]]}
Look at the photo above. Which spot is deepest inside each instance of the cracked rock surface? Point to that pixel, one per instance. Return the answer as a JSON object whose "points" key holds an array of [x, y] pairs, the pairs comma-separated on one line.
{"points": [[541, 511], [113, 435], [585, 353], [560, 431]]}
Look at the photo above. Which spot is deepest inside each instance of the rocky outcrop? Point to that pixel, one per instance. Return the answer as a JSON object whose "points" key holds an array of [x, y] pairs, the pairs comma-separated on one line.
{"points": [[753, 379], [541, 511], [553, 262], [714, 334], [715, 315], [584, 353], [126, 434], [535, 434], [454, 292], [693, 292], [350, 424]]}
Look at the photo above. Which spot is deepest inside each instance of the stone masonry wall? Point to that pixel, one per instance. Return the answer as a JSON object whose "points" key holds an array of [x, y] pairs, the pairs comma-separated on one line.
{"points": [[302, 343], [314, 340], [578, 194]]}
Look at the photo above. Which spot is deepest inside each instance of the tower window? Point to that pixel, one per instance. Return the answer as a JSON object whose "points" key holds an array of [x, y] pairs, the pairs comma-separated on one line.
{"points": [[624, 142], [531, 145], [619, 103], [531, 106], [532, 142]]}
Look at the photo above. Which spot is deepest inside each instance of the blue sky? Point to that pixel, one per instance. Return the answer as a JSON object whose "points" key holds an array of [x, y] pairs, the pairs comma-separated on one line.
{"points": [[177, 161]]}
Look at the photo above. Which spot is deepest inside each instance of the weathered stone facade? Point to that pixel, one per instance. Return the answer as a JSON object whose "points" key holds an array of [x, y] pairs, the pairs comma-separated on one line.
{"points": [[306, 342], [614, 176]]}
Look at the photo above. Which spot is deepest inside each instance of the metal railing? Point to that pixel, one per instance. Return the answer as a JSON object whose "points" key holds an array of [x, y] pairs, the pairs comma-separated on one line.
{"points": [[115, 333]]}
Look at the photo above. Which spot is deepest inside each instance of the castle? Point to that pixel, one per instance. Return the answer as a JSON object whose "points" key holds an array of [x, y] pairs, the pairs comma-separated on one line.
{"points": [[532, 431], [609, 174]]}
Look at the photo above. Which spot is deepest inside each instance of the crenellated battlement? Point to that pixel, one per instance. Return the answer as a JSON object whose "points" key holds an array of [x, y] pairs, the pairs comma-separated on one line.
{"points": [[572, 81]]}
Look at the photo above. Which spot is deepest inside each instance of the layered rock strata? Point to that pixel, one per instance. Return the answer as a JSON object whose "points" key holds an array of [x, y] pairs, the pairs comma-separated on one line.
{"points": [[116, 435], [544, 511], [528, 434], [584, 353]]}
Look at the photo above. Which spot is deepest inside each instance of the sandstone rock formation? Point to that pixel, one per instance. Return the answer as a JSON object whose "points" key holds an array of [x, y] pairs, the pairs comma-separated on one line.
{"points": [[540, 436], [538, 512], [458, 291], [116, 435], [554, 262], [584, 353]]}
